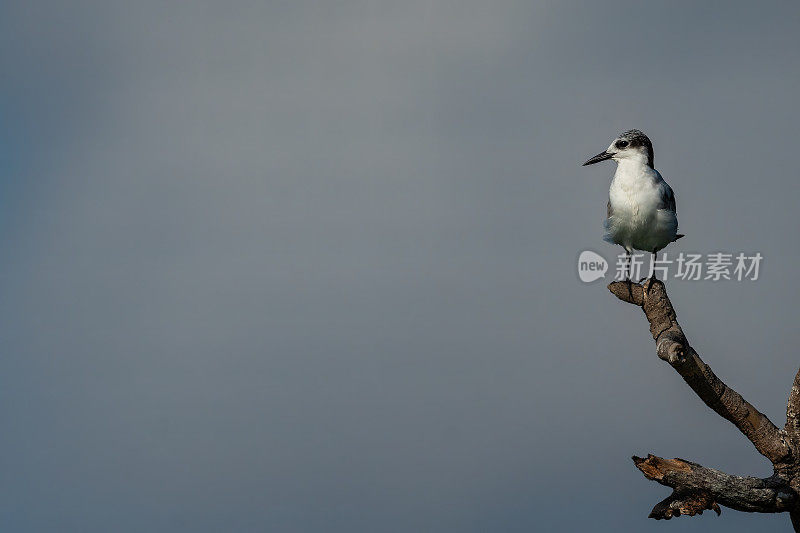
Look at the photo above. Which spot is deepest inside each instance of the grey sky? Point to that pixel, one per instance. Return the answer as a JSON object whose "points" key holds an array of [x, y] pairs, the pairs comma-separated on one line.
{"points": [[309, 266]]}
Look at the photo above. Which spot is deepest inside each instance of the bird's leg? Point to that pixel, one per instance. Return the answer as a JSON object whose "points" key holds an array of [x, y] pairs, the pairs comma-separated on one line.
{"points": [[627, 265], [653, 265], [652, 271], [647, 277]]}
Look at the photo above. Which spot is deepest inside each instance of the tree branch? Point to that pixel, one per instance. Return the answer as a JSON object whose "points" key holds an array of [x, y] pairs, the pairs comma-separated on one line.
{"points": [[697, 488], [793, 412], [672, 346]]}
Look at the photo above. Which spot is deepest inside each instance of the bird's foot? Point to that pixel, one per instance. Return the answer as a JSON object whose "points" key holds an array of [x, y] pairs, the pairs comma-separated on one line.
{"points": [[629, 282], [649, 284]]}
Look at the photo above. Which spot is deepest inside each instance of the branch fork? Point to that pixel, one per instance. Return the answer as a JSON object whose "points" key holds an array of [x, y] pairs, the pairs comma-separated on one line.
{"points": [[697, 488]]}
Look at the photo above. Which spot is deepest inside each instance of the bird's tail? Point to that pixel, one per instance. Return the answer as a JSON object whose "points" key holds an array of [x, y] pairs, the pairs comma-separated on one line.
{"points": [[678, 236]]}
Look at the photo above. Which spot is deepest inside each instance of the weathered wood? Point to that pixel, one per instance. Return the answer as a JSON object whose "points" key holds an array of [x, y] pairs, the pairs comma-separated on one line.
{"points": [[672, 347], [697, 488], [684, 503], [793, 412]]}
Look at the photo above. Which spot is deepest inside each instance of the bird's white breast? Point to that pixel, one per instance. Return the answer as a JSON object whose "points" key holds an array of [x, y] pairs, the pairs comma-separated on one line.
{"points": [[634, 191], [639, 220]]}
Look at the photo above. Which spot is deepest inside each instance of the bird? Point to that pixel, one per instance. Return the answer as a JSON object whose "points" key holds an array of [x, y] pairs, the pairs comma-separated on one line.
{"points": [[640, 214]]}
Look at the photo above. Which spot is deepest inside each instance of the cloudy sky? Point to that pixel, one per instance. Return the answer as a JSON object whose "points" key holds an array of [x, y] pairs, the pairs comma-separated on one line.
{"points": [[310, 266]]}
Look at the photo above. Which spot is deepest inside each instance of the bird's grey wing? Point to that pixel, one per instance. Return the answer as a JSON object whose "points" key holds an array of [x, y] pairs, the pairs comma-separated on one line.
{"points": [[667, 197]]}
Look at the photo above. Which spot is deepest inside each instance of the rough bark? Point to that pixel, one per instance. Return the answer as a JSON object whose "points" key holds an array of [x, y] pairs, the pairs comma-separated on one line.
{"points": [[792, 427], [695, 487]]}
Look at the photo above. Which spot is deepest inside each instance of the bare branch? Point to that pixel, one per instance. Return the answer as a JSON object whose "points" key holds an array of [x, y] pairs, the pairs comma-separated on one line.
{"points": [[793, 412], [672, 346], [684, 503], [697, 488]]}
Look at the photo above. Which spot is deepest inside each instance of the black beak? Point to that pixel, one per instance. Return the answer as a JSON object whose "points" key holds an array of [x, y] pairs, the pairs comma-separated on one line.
{"points": [[602, 156]]}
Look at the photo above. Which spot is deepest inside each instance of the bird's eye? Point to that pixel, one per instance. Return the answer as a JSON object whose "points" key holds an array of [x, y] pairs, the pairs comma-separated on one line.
{"points": [[622, 144]]}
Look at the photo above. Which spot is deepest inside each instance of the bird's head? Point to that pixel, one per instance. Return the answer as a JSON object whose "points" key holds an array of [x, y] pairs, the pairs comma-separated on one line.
{"points": [[633, 145]]}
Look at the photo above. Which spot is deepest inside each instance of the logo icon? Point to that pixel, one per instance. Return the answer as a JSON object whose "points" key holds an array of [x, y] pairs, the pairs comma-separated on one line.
{"points": [[591, 266]]}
